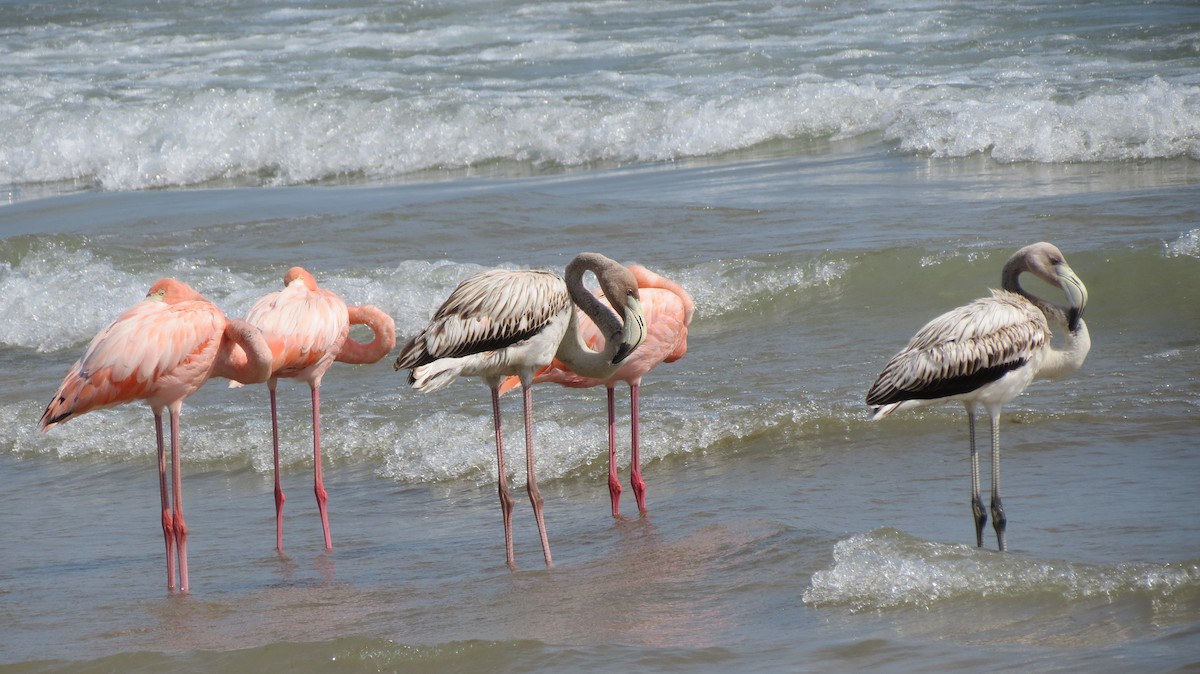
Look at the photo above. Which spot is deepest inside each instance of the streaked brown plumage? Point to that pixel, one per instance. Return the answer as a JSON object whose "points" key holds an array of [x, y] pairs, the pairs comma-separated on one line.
{"points": [[986, 353], [668, 310], [504, 322]]}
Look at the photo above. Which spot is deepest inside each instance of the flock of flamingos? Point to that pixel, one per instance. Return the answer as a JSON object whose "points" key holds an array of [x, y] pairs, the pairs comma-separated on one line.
{"points": [[522, 327]]}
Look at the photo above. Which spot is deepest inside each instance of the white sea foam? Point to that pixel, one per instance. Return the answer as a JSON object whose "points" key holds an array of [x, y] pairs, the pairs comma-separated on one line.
{"points": [[570, 435], [58, 297], [261, 136], [1148, 120], [724, 286], [887, 569], [1187, 245], [157, 99]]}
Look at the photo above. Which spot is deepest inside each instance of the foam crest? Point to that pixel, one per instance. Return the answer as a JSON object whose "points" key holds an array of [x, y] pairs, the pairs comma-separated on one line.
{"points": [[271, 138], [414, 290], [447, 443], [726, 286], [122, 433], [887, 569], [1148, 120], [156, 98], [217, 427], [454, 446], [1187, 245], [58, 297]]}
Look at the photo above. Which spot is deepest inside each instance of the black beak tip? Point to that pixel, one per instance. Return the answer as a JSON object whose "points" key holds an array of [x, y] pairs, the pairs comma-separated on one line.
{"points": [[622, 353]]}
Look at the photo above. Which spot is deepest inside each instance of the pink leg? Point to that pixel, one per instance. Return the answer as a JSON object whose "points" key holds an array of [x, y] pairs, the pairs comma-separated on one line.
{"points": [[506, 500], [167, 524], [279, 497], [318, 480], [535, 496], [614, 483], [635, 463], [180, 526]]}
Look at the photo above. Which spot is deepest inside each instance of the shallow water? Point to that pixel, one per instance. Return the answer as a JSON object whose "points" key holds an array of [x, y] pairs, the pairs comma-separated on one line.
{"points": [[786, 531], [777, 509]]}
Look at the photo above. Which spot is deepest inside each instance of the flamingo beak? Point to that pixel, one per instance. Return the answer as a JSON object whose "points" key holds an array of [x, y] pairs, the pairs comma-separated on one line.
{"points": [[634, 331], [1077, 295]]}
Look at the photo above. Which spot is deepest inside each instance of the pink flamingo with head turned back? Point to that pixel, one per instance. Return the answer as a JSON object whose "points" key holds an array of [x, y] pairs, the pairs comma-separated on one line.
{"points": [[668, 310], [162, 350], [307, 328]]}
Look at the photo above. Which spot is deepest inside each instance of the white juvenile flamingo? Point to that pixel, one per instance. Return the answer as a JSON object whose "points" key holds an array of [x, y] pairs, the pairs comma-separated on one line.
{"points": [[986, 353], [503, 322], [668, 310]]}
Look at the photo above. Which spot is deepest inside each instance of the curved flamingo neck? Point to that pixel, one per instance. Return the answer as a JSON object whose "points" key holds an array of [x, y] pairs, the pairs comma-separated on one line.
{"points": [[380, 324], [1010, 280], [572, 350], [1064, 361], [244, 355], [1057, 362]]}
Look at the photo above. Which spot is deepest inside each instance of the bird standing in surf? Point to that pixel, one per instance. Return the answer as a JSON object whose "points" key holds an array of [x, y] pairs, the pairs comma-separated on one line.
{"points": [[504, 322], [668, 310], [162, 350], [307, 329], [986, 353]]}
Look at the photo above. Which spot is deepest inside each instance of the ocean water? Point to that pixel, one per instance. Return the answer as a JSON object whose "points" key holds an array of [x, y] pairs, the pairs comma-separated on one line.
{"points": [[823, 179]]}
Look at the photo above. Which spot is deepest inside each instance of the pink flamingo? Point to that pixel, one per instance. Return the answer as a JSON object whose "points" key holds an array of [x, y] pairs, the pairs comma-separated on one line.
{"points": [[162, 350], [668, 310], [307, 328]]}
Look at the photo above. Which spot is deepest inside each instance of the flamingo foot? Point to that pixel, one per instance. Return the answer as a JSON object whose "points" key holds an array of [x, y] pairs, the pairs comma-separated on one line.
{"points": [[639, 492], [980, 519], [181, 534], [322, 499], [999, 521], [279, 501], [614, 492], [169, 539]]}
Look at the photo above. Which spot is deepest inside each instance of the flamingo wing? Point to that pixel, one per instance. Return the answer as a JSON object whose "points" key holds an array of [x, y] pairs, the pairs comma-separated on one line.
{"points": [[962, 350], [304, 328], [488, 311], [151, 351], [667, 312]]}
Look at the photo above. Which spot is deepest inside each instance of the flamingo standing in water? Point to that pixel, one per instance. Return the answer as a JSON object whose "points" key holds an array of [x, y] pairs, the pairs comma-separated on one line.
{"points": [[503, 322], [668, 310], [986, 353], [161, 351], [307, 329]]}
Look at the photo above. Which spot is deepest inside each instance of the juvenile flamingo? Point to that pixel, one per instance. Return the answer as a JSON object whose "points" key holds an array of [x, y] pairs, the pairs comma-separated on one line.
{"points": [[668, 310], [307, 329], [162, 350], [502, 322], [986, 353]]}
